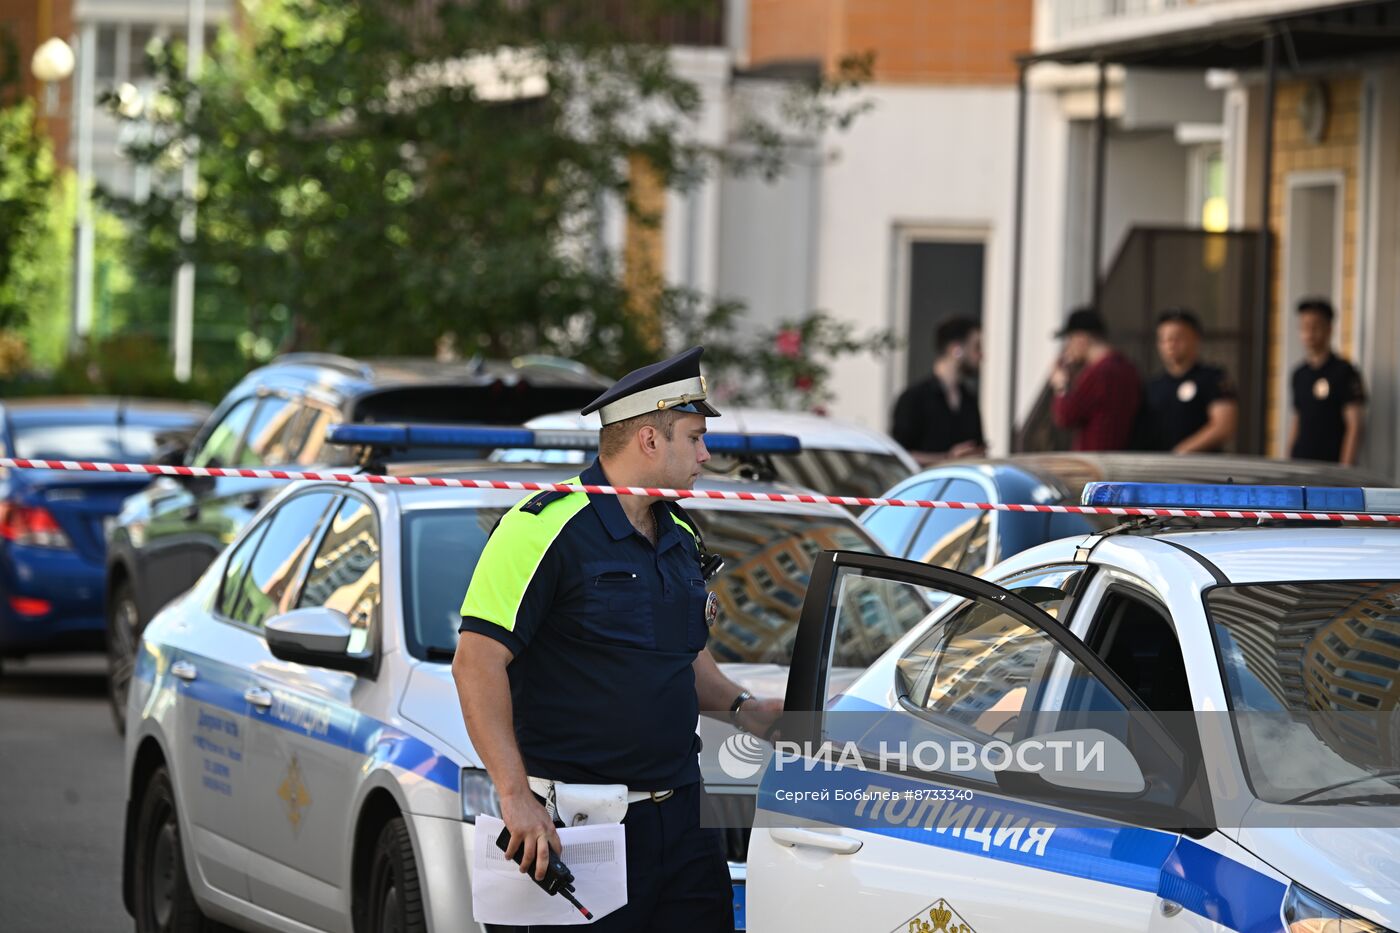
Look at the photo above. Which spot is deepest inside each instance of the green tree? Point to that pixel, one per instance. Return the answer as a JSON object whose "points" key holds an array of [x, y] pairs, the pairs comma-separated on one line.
{"points": [[26, 200], [375, 174]]}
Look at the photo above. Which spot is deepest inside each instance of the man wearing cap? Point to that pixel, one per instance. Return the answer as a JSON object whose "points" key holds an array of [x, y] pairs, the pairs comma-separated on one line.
{"points": [[1097, 389], [582, 659], [1191, 407]]}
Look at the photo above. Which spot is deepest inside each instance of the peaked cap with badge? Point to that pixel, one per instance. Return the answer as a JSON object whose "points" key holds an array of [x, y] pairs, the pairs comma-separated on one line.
{"points": [[670, 385]]}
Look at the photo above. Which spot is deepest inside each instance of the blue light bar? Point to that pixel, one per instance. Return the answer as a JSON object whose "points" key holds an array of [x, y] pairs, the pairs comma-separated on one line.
{"points": [[1229, 496], [428, 435], [725, 443], [485, 436]]}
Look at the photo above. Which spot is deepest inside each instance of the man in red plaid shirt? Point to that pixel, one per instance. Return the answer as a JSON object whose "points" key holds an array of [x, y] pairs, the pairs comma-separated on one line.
{"points": [[1099, 403]]}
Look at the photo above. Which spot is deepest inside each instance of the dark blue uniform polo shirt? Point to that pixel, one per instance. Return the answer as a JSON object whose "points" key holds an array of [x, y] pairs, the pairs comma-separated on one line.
{"points": [[1179, 406], [1320, 397], [604, 628]]}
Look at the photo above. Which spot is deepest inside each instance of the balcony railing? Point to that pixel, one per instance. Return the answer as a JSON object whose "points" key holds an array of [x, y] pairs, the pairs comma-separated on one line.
{"points": [[1069, 23]]}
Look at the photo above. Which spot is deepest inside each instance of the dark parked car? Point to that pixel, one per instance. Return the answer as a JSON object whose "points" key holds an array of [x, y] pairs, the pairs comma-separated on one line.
{"points": [[278, 415], [974, 541], [51, 543]]}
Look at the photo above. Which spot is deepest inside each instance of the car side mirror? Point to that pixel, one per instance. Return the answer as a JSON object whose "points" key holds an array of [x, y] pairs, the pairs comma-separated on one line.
{"points": [[1073, 763], [316, 636]]}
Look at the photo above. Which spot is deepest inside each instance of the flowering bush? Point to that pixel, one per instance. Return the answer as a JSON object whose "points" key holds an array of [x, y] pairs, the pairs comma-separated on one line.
{"points": [[787, 367]]}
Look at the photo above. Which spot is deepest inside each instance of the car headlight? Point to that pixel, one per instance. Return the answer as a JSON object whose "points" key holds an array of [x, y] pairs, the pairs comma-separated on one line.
{"points": [[478, 795], [1306, 912]]}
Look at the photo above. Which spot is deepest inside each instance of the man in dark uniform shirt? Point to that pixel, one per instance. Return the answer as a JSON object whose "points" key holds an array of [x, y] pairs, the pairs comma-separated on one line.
{"points": [[1191, 407], [582, 657], [1329, 403], [939, 417]]}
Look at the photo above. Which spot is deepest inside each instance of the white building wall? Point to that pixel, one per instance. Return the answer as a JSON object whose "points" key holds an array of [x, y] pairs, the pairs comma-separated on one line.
{"points": [[768, 233], [1145, 184], [690, 230], [929, 157], [1047, 285]]}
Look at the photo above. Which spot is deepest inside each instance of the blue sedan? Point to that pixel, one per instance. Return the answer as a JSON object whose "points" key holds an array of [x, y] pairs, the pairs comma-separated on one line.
{"points": [[973, 541], [51, 538]]}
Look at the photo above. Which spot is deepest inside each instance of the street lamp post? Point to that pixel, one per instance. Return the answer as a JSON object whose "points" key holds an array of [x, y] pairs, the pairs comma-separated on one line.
{"points": [[54, 61], [85, 103], [182, 317]]}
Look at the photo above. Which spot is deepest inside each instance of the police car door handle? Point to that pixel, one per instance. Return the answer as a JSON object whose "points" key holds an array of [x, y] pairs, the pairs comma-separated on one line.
{"points": [[258, 697], [811, 838], [184, 670]]}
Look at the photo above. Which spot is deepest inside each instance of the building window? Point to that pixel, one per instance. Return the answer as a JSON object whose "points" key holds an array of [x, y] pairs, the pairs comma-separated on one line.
{"points": [[107, 54]]}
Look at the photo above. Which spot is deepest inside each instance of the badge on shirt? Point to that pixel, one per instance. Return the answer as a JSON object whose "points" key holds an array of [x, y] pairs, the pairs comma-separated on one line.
{"points": [[711, 609], [1321, 389], [1186, 391]]}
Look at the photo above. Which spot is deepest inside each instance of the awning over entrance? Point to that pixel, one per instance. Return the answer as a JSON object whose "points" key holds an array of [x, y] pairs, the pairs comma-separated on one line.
{"points": [[1293, 40], [1332, 32]]}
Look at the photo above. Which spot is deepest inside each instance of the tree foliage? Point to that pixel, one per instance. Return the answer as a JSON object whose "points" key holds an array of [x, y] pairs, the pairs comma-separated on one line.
{"points": [[378, 174], [26, 199]]}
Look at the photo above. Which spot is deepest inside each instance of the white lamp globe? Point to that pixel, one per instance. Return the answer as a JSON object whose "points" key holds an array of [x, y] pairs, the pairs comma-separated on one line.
{"points": [[52, 61]]}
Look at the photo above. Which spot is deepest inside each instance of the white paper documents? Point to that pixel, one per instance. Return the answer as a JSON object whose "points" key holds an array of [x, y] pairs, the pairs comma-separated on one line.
{"points": [[597, 855]]}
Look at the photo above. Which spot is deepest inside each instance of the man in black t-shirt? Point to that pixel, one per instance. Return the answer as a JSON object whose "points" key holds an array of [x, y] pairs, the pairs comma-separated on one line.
{"points": [[939, 418], [1329, 402], [1191, 407]]}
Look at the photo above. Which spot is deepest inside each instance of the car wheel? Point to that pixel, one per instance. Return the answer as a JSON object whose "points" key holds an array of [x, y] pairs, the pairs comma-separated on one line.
{"points": [[123, 637], [164, 902], [395, 904]]}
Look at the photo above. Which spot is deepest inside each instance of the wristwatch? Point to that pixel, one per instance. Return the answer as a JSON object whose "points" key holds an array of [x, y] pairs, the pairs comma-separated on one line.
{"points": [[743, 697]]}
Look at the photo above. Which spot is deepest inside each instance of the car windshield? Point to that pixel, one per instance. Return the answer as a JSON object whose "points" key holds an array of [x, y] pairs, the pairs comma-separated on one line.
{"points": [[86, 440], [1313, 673], [768, 558]]}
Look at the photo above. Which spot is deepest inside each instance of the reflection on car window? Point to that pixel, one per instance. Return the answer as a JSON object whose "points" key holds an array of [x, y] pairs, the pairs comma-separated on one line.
{"points": [[1313, 674], [945, 532], [768, 559], [1046, 587], [230, 591], [307, 439], [977, 668], [985, 668], [344, 574], [442, 548], [893, 526], [976, 555], [267, 432], [266, 589], [222, 443]]}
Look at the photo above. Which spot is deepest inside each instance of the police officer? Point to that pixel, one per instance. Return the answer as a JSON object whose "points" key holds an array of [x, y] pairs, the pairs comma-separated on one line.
{"points": [[1329, 403], [582, 657], [1191, 407]]}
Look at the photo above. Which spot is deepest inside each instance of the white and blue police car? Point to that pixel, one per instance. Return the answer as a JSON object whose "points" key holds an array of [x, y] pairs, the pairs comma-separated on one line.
{"points": [[840, 458], [295, 755], [1272, 805]]}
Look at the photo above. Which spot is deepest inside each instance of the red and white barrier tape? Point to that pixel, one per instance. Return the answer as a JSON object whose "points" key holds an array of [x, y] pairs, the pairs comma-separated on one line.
{"points": [[375, 479]]}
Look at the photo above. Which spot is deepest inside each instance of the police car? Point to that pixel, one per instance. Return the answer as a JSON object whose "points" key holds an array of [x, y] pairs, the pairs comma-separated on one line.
{"points": [[1274, 806], [838, 457], [295, 754]]}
